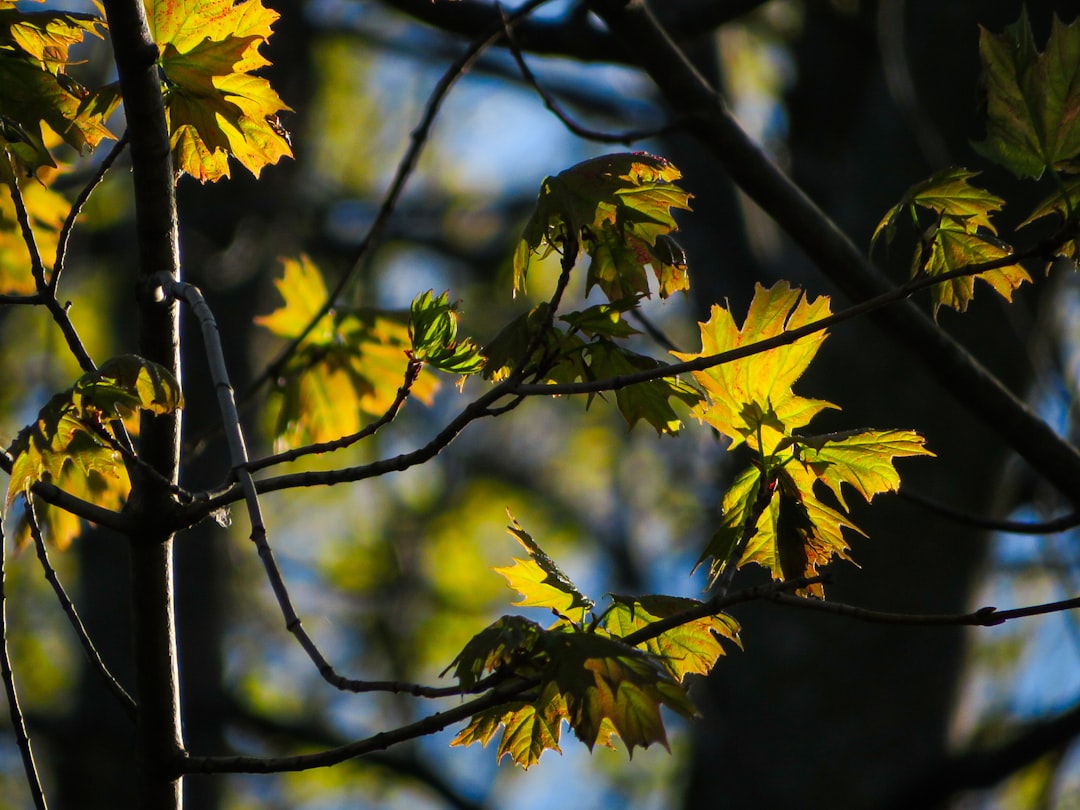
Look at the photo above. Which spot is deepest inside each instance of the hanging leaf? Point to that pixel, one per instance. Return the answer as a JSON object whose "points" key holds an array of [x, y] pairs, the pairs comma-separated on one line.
{"points": [[754, 394], [508, 640], [214, 106], [529, 731], [948, 193], [618, 209], [35, 91], [954, 247], [347, 370], [690, 648], [539, 580], [1032, 97], [67, 445]]}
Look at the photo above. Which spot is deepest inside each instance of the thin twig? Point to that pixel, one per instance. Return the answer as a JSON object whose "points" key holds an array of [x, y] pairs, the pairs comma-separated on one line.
{"points": [[1058, 524], [408, 163], [37, 270], [76, 209], [412, 371], [239, 459], [625, 138], [22, 738], [783, 339], [92, 654], [983, 617]]}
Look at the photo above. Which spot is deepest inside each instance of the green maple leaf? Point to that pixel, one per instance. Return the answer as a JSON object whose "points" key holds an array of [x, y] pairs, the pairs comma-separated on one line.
{"points": [[609, 688], [947, 193], [346, 371], [528, 731], [651, 400], [1032, 97], [215, 107], [433, 325], [753, 395], [797, 533], [962, 235], [508, 640], [540, 581], [955, 247], [691, 648], [603, 320], [1065, 202], [618, 209], [65, 445], [861, 459]]}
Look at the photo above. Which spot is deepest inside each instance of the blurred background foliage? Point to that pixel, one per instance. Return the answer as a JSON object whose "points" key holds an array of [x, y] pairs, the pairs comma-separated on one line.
{"points": [[392, 576]]}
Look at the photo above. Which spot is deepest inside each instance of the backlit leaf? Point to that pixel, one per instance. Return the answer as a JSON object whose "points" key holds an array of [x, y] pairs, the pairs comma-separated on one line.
{"points": [[947, 193], [611, 688], [508, 640], [1032, 97], [540, 581], [954, 247], [529, 731], [66, 445], [215, 107], [433, 326], [617, 208], [690, 648], [754, 394], [863, 460], [347, 370]]}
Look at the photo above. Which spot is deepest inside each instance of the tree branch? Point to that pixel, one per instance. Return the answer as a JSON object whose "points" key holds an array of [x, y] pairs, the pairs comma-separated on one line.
{"points": [[691, 98], [22, 738]]}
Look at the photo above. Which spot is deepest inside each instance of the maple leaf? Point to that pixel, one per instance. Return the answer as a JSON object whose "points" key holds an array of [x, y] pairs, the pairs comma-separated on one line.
{"points": [[610, 688], [651, 400], [753, 395], [36, 93], [347, 370], [955, 247], [690, 648], [1032, 97], [66, 444], [861, 459], [507, 640], [1065, 202], [215, 107], [540, 581], [433, 325], [618, 209], [947, 193], [528, 730], [796, 533]]}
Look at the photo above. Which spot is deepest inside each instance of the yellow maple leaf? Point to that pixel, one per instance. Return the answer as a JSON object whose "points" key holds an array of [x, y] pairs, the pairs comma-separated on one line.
{"points": [[753, 395], [215, 108]]}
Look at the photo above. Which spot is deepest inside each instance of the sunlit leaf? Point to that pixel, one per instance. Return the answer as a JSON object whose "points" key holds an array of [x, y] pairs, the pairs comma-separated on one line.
{"points": [[860, 459], [754, 394], [68, 444], [433, 325], [214, 106], [954, 247], [508, 640], [690, 648], [346, 371], [529, 731], [948, 193], [539, 580], [605, 682], [650, 400], [617, 208], [1032, 97]]}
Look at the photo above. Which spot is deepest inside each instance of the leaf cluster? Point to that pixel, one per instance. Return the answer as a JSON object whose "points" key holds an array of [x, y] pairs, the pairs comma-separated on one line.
{"points": [[583, 673], [73, 445]]}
